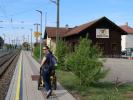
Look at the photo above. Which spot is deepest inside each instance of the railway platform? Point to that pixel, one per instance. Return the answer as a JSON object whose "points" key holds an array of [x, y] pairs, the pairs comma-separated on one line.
{"points": [[22, 87]]}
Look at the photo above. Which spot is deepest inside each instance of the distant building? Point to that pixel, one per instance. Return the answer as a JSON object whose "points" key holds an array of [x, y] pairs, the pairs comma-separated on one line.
{"points": [[127, 40], [1, 43], [102, 32], [50, 35]]}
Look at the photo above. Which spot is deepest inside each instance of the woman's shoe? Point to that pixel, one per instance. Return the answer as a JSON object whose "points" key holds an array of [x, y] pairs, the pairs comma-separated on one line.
{"points": [[48, 93]]}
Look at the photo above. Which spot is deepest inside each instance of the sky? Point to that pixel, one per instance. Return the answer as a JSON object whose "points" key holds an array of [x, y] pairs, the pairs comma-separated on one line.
{"points": [[17, 17]]}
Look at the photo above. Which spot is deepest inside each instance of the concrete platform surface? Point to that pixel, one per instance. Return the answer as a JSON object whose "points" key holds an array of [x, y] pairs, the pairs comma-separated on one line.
{"points": [[22, 86]]}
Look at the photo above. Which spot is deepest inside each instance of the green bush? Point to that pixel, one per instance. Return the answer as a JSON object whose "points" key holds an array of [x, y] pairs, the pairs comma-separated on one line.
{"points": [[85, 63]]}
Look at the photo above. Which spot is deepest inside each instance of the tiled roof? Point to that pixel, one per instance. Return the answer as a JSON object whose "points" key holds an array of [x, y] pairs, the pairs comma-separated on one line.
{"points": [[51, 31], [127, 28], [82, 27], [78, 29], [67, 32]]}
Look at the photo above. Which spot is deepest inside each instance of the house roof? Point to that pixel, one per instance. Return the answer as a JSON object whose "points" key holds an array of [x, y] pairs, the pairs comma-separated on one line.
{"points": [[51, 31], [127, 28], [76, 30], [80, 28]]}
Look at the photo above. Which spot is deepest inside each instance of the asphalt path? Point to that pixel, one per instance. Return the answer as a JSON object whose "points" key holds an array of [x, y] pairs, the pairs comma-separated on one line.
{"points": [[120, 70]]}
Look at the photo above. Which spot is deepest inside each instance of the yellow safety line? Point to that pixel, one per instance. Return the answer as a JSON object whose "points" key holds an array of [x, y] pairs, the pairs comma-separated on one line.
{"points": [[18, 81]]}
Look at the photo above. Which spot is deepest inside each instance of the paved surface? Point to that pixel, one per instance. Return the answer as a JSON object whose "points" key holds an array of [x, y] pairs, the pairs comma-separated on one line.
{"points": [[120, 69], [23, 88]]}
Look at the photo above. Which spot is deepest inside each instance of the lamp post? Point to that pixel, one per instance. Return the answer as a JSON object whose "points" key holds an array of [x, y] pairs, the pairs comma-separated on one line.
{"points": [[31, 41], [40, 33], [4, 37], [58, 22]]}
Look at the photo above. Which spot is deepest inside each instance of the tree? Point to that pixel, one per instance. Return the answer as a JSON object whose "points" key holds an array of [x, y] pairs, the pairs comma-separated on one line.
{"points": [[61, 51], [1, 42], [85, 63], [26, 45]]}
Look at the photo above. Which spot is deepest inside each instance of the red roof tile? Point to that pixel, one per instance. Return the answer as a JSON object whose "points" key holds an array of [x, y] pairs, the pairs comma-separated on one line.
{"points": [[82, 27], [51, 31], [78, 29], [127, 28]]}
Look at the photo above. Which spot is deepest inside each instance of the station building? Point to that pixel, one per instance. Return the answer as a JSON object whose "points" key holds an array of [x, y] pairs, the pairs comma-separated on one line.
{"points": [[103, 32]]}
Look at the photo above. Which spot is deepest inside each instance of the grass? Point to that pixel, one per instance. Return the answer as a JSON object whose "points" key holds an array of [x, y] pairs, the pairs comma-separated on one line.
{"points": [[36, 52], [97, 91]]}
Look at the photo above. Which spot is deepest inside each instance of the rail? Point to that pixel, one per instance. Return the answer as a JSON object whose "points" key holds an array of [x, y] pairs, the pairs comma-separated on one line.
{"points": [[6, 60]]}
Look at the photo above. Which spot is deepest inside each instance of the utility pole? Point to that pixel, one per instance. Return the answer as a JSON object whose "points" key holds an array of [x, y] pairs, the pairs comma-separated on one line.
{"points": [[57, 2], [45, 42], [28, 39], [58, 34], [31, 41], [37, 31], [28, 43], [23, 38], [45, 19], [40, 34], [12, 45], [4, 36]]}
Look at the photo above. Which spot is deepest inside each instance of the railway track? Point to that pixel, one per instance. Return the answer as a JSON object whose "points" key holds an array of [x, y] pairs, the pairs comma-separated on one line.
{"points": [[7, 67], [3, 61]]}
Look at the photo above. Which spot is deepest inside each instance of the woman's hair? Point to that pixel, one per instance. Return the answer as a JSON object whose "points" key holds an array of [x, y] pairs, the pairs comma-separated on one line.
{"points": [[48, 49]]}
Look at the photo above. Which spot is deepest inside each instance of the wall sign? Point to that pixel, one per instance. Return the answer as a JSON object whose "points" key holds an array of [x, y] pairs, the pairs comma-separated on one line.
{"points": [[102, 33]]}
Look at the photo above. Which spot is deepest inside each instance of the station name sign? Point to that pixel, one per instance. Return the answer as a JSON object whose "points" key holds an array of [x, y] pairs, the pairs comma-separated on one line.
{"points": [[102, 33]]}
